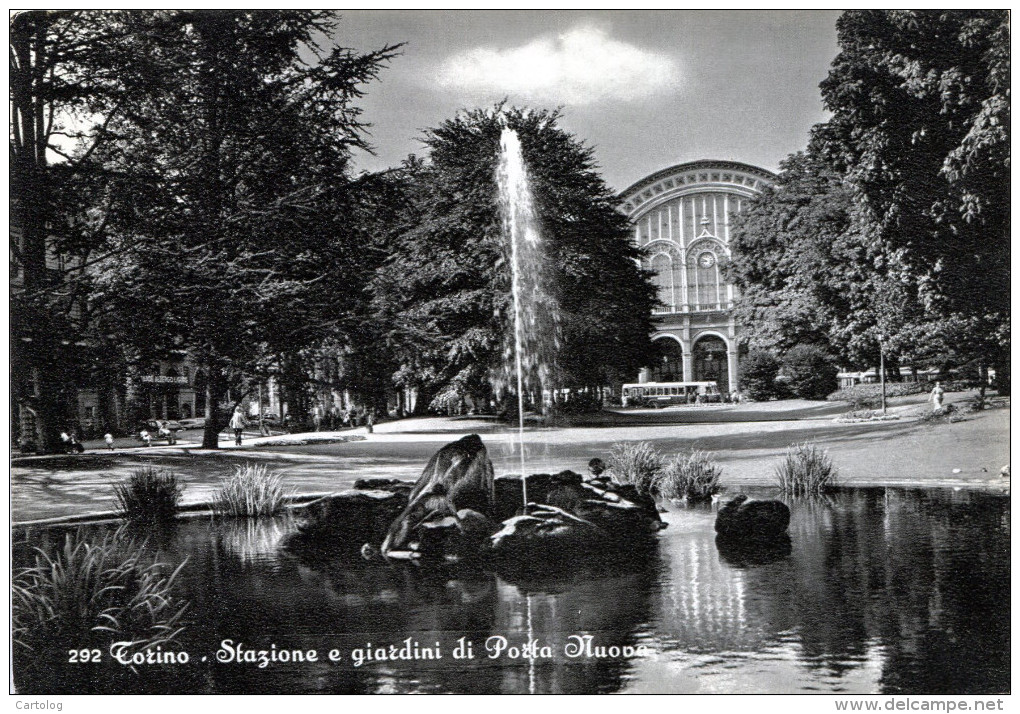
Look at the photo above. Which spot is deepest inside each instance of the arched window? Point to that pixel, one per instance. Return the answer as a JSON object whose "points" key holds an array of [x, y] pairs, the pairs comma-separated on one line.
{"points": [[662, 266], [705, 287]]}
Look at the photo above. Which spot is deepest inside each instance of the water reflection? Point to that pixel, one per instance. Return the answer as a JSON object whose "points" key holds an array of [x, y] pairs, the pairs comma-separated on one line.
{"points": [[875, 591]]}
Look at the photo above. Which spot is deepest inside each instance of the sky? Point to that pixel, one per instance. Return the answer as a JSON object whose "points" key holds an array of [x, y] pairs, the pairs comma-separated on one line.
{"points": [[645, 89]]}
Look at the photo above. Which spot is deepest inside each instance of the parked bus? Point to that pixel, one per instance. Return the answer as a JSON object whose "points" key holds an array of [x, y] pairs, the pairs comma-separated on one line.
{"points": [[662, 394]]}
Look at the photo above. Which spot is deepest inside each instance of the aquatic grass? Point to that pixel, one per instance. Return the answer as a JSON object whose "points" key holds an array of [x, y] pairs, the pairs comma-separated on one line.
{"points": [[635, 463], [806, 470], [692, 476], [251, 492], [88, 594], [150, 494]]}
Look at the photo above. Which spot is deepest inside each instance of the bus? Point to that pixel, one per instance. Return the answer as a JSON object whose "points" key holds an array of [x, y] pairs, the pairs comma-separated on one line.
{"points": [[663, 394]]}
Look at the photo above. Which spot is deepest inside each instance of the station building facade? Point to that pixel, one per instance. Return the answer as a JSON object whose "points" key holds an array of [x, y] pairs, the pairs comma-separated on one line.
{"points": [[681, 217]]}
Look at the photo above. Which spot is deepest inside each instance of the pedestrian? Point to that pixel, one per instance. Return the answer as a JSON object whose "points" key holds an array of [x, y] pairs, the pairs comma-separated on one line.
{"points": [[66, 439], [370, 420], [108, 438], [164, 430], [75, 447], [237, 423], [146, 437], [936, 397]]}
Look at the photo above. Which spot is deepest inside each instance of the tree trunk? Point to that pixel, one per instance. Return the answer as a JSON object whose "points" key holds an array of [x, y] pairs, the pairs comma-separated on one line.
{"points": [[215, 389]]}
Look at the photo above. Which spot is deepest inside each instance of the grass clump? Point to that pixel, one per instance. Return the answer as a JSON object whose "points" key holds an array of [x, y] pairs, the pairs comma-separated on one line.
{"points": [[88, 595], [692, 476], [149, 495], [806, 470], [635, 463], [251, 492]]}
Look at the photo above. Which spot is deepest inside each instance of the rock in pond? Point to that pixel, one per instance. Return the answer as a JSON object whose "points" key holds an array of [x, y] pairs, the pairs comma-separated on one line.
{"points": [[451, 502], [742, 518]]}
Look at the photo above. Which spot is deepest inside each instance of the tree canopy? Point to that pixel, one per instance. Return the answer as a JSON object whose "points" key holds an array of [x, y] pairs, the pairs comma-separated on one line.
{"points": [[231, 192], [447, 283], [920, 130], [892, 228]]}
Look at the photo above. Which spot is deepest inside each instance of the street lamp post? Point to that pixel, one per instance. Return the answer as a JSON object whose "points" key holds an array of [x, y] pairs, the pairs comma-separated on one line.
{"points": [[881, 371]]}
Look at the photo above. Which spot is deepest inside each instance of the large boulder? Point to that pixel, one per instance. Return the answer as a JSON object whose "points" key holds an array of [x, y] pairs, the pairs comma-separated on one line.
{"points": [[457, 478], [745, 519]]}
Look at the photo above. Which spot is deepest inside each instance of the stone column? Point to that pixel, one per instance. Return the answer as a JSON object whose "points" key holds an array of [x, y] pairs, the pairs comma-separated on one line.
{"points": [[731, 363], [643, 375], [688, 363]]}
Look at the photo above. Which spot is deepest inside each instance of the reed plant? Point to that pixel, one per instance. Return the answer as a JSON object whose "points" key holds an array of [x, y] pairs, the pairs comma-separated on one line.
{"points": [[691, 476], [635, 463], [150, 494], [252, 492], [88, 594], [805, 470]]}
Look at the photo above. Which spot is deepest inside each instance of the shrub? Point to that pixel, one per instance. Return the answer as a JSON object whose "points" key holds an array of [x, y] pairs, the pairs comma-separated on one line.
{"points": [[635, 463], [88, 595], [811, 372], [943, 413], [805, 470], [149, 495], [693, 476], [869, 396], [758, 371], [252, 491]]}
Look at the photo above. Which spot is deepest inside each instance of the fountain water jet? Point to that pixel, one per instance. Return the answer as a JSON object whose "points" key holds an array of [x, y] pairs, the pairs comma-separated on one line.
{"points": [[528, 358]]}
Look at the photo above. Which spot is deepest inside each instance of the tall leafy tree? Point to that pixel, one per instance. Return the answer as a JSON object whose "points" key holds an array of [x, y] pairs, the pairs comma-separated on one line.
{"points": [[232, 193], [920, 129], [808, 274], [71, 73], [447, 285]]}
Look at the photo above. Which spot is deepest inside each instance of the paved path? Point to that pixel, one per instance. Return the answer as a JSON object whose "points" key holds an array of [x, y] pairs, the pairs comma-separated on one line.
{"points": [[969, 453]]}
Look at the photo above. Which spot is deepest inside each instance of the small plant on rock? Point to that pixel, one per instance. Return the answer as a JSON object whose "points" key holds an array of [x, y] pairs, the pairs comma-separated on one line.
{"points": [[805, 470], [251, 492], [692, 476], [150, 495], [635, 463]]}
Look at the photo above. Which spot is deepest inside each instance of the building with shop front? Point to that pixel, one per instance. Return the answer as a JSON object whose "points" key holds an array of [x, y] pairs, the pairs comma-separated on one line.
{"points": [[682, 216]]}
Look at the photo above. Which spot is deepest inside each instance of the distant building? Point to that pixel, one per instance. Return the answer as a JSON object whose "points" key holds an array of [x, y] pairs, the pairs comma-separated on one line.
{"points": [[682, 216]]}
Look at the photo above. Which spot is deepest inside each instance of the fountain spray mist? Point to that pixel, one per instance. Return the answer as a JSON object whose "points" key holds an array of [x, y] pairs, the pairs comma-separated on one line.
{"points": [[528, 358]]}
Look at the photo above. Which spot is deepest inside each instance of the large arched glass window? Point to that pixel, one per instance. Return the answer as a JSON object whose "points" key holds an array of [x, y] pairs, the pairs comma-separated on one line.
{"points": [[662, 267], [704, 281]]}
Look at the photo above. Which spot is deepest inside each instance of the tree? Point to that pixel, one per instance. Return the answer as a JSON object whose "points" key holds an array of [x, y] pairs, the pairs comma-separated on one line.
{"points": [[65, 88], [447, 284], [811, 372], [920, 130], [808, 274], [758, 372], [232, 195]]}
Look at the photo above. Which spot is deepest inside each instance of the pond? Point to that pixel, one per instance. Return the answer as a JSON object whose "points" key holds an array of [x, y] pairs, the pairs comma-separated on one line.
{"points": [[881, 591]]}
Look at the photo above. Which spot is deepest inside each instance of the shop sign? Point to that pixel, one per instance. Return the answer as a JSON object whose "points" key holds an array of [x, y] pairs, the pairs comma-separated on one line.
{"points": [[162, 379]]}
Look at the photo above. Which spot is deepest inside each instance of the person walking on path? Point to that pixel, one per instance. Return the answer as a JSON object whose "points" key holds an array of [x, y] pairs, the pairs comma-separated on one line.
{"points": [[936, 396], [108, 438], [237, 423]]}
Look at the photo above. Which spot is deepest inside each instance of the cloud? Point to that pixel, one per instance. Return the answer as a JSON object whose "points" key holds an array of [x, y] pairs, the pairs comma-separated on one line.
{"points": [[581, 66]]}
